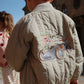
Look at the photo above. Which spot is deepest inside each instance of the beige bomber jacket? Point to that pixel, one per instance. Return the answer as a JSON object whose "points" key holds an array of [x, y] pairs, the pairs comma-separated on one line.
{"points": [[45, 48]]}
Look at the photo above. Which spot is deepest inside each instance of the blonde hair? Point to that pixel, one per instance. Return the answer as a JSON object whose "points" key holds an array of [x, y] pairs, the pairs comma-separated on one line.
{"points": [[7, 21]]}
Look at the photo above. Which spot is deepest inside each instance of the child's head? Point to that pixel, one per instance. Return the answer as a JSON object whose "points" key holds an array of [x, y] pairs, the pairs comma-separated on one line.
{"points": [[6, 20]]}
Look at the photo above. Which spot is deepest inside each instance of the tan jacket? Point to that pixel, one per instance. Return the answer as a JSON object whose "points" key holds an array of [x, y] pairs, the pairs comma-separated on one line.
{"points": [[45, 48]]}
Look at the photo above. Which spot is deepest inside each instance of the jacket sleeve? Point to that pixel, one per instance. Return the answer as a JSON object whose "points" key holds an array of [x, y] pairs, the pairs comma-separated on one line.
{"points": [[78, 54], [18, 45]]}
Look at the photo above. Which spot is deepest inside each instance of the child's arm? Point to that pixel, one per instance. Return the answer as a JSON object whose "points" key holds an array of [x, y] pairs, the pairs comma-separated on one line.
{"points": [[2, 59], [78, 57], [17, 49]]}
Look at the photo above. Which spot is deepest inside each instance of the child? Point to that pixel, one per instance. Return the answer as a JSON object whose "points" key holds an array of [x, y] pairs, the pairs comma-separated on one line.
{"points": [[6, 27], [46, 43]]}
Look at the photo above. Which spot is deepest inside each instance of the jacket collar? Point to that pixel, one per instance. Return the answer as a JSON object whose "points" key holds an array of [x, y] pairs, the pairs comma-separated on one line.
{"points": [[44, 6]]}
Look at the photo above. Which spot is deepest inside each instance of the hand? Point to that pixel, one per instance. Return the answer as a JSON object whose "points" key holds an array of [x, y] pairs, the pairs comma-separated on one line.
{"points": [[3, 61], [72, 81]]}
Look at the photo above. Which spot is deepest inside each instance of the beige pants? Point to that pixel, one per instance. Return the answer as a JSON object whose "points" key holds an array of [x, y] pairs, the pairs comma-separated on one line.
{"points": [[10, 76]]}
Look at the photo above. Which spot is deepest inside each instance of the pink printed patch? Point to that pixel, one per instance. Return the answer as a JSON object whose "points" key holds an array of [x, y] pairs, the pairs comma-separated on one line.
{"points": [[49, 39]]}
